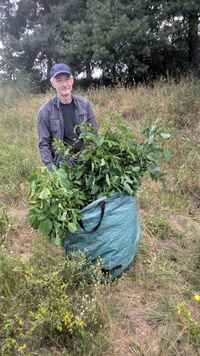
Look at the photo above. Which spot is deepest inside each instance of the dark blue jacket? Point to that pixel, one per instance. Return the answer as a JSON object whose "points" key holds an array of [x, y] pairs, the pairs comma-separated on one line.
{"points": [[51, 126]]}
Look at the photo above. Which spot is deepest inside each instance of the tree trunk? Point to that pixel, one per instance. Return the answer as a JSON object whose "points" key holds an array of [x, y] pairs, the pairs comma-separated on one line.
{"points": [[193, 41], [49, 65], [88, 71]]}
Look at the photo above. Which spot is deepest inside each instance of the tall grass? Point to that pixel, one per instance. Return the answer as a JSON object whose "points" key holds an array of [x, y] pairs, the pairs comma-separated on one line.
{"points": [[176, 106], [19, 154]]}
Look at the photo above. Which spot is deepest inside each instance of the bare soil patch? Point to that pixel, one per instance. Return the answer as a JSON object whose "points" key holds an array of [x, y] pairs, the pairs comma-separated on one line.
{"points": [[22, 238]]}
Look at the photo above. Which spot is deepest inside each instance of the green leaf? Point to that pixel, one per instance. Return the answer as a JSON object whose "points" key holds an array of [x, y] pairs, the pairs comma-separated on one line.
{"points": [[89, 181], [122, 128], [33, 220], [33, 177], [108, 179], [152, 157], [79, 174], [61, 173], [64, 215], [58, 241], [33, 188], [102, 162], [45, 226], [95, 189], [167, 154], [155, 171], [150, 139], [54, 208], [72, 227], [45, 193], [127, 179], [165, 135], [132, 155], [43, 215], [136, 169], [127, 188]]}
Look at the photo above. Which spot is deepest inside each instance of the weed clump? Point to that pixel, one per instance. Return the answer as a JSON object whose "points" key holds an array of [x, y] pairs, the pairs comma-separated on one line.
{"points": [[48, 302], [162, 229], [192, 326]]}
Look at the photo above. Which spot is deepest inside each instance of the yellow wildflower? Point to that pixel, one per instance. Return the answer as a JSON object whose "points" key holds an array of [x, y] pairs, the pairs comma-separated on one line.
{"points": [[22, 347], [197, 297], [21, 322]]}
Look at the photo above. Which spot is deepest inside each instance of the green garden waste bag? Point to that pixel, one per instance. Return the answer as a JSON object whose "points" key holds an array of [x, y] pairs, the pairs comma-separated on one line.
{"points": [[110, 229]]}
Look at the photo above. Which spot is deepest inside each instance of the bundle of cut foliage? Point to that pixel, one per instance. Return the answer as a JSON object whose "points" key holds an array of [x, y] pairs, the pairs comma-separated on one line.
{"points": [[110, 161]]}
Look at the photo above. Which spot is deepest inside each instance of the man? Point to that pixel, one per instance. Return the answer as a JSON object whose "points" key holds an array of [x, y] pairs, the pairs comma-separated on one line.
{"points": [[57, 118]]}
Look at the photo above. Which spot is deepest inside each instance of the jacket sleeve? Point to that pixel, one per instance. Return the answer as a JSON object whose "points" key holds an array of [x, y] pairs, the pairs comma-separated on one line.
{"points": [[44, 139], [90, 116]]}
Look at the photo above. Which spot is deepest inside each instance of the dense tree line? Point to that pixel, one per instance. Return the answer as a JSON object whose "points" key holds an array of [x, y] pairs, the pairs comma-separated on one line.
{"points": [[131, 41]]}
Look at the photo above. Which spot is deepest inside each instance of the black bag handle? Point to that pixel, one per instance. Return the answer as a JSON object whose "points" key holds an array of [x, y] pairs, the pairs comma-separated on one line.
{"points": [[110, 271], [102, 206]]}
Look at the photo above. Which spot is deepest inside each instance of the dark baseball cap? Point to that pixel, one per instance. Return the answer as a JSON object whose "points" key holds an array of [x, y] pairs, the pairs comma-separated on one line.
{"points": [[60, 68]]}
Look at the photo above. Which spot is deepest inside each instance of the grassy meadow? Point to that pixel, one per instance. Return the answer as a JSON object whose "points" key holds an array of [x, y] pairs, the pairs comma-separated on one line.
{"points": [[48, 305]]}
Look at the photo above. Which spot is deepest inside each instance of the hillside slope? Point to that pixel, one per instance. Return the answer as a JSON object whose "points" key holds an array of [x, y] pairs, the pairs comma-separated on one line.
{"points": [[151, 310]]}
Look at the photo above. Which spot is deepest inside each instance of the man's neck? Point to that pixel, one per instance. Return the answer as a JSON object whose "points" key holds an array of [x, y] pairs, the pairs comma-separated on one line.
{"points": [[65, 99]]}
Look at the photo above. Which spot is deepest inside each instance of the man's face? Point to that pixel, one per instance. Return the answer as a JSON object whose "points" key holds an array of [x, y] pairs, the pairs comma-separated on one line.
{"points": [[63, 84]]}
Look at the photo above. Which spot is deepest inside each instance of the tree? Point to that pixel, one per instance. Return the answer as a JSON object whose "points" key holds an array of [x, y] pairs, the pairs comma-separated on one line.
{"points": [[184, 15], [36, 34], [130, 40]]}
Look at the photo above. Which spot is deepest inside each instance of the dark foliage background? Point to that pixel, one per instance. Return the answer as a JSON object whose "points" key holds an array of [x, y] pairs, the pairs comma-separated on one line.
{"points": [[131, 41]]}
